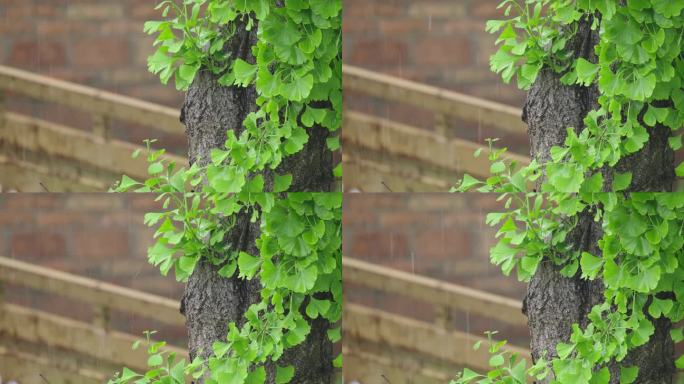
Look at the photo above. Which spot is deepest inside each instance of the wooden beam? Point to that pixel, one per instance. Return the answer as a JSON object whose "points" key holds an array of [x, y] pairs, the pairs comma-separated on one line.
{"points": [[437, 100], [90, 99], [394, 331], [27, 176], [55, 331], [386, 136], [27, 368], [57, 140], [433, 291], [366, 366], [374, 176], [90, 291]]}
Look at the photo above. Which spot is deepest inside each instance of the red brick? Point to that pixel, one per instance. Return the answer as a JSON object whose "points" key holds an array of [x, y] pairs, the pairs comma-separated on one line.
{"points": [[486, 9], [144, 11], [353, 28], [100, 244], [395, 26], [405, 218], [373, 245], [38, 244], [93, 202], [31, 201], [357, 202], [365, 9], [143, 202], [442, 51], [53, 27], [378, 53], [4, 251], [52, 9], [37, 53], [434, 9], [15, 219], [94, 11], [59, 219], [100, 53], [445, 245]]}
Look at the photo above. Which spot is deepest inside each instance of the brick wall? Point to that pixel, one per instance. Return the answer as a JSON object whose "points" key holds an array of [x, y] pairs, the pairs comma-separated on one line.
{"points": [[100, 236], [442, 236], [440, 42], [99, 43]]}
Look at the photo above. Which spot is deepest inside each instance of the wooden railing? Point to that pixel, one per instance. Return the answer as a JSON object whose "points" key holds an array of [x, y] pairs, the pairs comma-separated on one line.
{"points": [[90, 160], [432, 352], [93, 348], [412, 158]]}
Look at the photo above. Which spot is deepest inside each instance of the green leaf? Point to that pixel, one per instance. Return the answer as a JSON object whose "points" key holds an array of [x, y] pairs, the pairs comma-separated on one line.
{"points": [[586, 71], [155, 168], [244, 72], [296, 141], [317, 307], [127, 374], [284, 374], [628, 375], [564, 350], [228, 270], [298, 89], [282, 182], [679, 363], [591, 265], [642, 87], [660, 307], [127, 183], [496, 360], [602, 376], [468, 182], [326, 8], [248, 264], [155, 360], [257, 376], [621, 181], [497, 167], [187, 263], [679, 171]]}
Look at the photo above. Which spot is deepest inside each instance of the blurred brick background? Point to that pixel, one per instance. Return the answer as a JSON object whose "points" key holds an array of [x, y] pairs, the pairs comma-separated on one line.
{"points": [[100, 236], [439, 42], [442, 236], [97, 43]]}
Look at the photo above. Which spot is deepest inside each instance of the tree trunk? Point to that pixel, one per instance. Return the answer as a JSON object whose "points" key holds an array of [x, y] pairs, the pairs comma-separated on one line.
{"points": [[210, 302], [553, 303]]}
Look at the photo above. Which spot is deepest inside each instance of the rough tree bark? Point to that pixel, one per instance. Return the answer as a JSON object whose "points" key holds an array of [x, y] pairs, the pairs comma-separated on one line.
{"points": [[210, 302], [553, 303]]}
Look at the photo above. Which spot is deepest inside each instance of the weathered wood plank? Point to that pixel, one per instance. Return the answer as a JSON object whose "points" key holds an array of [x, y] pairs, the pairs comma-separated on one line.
{"points": [[437, 100], [54, 331], [27, 368], [26, 176], [90, 99], [57, 140], [383, 135], [90, 291], [394, 331], [373, 367], [374, 176], [433, 291]]}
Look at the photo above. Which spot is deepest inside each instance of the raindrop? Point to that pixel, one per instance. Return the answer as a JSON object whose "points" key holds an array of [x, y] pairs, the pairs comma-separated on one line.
{"points": [[413, 262]]}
